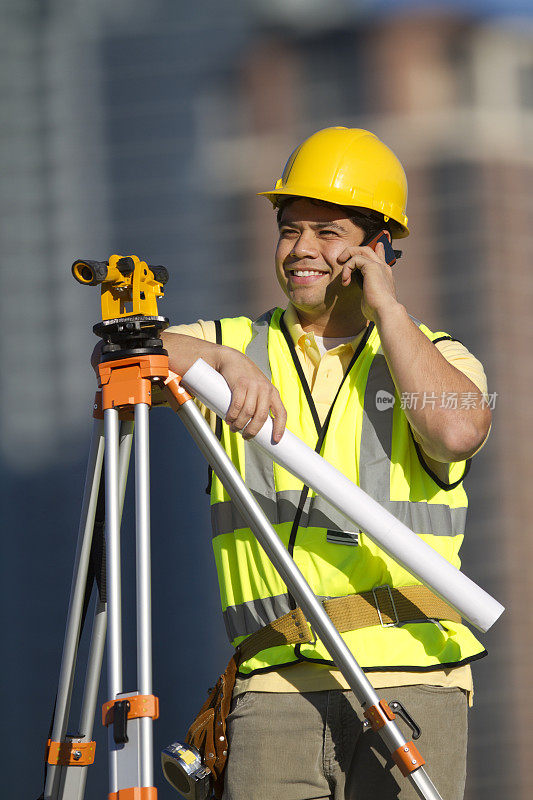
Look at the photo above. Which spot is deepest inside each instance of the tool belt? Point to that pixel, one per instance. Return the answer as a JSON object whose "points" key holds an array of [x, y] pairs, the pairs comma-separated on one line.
{"points": [[208, 731], [383, 605]]}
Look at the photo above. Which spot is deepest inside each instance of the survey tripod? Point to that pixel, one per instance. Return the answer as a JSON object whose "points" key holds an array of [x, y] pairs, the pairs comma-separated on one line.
{"points": [[132, 362]]}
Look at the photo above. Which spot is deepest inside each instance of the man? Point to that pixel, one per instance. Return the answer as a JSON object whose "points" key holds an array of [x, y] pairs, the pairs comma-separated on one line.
{"points": [[343, 342]]}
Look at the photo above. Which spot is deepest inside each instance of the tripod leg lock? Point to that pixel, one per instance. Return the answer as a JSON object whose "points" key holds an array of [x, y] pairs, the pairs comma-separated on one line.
{"points": [[402, 712], [140, 705], [379, 715], [120, 721], [70, 753]]}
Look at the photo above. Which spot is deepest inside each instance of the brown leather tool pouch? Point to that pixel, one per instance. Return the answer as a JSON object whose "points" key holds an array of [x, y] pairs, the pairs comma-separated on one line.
{"points": [[208, 731]]}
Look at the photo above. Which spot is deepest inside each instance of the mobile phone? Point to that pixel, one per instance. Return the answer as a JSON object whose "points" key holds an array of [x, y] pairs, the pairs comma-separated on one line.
{"points": [[391, 255]]}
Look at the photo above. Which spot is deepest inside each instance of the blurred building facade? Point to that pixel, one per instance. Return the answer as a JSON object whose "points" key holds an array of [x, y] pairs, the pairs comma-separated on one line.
{"points": [[150, 133]]}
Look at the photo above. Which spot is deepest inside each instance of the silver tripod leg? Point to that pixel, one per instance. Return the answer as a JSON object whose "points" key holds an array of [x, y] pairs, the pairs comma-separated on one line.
{"points": [[296, 583], [131, 756], [114, 610], [68, 782], [98, 636], [144, 592]]}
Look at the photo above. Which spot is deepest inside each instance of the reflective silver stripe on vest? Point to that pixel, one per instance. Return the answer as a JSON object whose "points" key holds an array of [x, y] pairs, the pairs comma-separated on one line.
{"points": [[258, 469], [376, 455], [257, 348], [432, 519], [247, 618], [376, 432]]}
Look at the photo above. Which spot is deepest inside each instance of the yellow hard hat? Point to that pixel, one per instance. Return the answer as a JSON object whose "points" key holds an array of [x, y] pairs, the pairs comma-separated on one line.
{"points": [[348, 167]]}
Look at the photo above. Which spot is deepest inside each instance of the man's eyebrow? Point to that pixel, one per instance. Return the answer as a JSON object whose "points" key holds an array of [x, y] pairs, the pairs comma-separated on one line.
{"points": [[315, 225], [318, 225]]}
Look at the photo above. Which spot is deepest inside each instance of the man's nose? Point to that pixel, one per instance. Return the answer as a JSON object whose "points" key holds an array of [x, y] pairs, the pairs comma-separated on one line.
{"points": [[304, 246]]}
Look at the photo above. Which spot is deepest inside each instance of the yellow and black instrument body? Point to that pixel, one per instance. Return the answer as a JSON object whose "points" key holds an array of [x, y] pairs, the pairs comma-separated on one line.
{"points": [[129, 291], [129, 286]]}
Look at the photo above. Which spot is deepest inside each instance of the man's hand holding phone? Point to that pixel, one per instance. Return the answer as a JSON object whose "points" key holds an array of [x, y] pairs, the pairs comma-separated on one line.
{"points": [[373, 273]]}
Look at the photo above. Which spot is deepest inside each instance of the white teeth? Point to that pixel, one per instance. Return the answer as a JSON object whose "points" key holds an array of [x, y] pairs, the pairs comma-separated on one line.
{"points": [[304, 273]]}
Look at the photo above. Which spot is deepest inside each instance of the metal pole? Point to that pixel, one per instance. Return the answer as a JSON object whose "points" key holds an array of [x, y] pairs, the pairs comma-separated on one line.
{"points": [[114, 641], [298, 586], [77, 592], [144, 612], [69, 781], [126, 441], [94, 666]]}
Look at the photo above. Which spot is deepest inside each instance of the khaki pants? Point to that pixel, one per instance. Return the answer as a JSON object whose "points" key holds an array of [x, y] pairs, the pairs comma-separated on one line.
{"points": [[291, 746]]}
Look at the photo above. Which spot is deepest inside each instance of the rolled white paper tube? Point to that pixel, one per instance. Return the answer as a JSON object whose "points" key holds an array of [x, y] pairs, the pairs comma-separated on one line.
{"points": [[401, 543]]}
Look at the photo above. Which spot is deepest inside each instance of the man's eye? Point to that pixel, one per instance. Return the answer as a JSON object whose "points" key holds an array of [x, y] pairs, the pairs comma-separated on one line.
{"points": [[286, 232], [327, 232]]}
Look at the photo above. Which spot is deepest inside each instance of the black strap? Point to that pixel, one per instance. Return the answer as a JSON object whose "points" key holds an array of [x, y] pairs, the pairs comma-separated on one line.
{"points": [[446, 339], [447, 487], [301, 376], [218, 422], [321, 429]]}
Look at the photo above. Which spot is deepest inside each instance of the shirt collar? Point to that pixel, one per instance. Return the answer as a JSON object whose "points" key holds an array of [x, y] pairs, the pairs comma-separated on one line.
{"points": [[298, 335]]}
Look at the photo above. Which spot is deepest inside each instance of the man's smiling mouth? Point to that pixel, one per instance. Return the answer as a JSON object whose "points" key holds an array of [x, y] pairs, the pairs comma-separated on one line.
{"points": [[304, 273]]}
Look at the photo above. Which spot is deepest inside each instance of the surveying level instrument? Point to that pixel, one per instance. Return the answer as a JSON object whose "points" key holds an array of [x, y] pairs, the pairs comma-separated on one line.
{"points": [[132, 361], [124, 279]]}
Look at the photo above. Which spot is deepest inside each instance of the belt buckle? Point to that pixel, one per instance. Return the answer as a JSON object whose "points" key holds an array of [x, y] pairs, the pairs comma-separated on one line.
{"points": [[376, 603]]}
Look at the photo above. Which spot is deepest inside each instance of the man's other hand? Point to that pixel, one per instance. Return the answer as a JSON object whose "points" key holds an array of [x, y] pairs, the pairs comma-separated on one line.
{"points": [[253, 397]]}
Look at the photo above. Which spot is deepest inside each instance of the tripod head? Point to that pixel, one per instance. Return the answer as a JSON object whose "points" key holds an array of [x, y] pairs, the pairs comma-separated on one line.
{"points": [[129, 290]]}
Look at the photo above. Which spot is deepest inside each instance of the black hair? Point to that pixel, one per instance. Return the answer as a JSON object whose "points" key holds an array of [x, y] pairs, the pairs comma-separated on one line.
{"points": [[371, 222]]}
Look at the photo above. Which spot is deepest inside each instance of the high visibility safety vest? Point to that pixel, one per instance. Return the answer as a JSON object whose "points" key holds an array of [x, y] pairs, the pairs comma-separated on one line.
{"points": [[366, 435]]}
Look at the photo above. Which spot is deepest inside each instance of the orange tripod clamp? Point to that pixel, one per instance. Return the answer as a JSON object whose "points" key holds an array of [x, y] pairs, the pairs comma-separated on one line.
{"points": [[70, 753], [407, 758], [132, 380], [176, 394], [135, 793], [127, 381]]}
